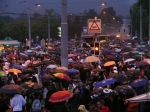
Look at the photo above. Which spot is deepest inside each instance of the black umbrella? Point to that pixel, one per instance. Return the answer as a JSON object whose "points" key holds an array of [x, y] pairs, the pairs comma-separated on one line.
{"points": [[125, 89], [133, 72], [42, 63], [31, 86], [11, 89], [28, 71], [142, 63], [47, 76], [118, 77]]}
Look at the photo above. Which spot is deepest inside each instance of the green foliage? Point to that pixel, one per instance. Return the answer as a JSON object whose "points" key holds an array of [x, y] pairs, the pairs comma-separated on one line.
{"points": [[135, 16], [18, 28]]}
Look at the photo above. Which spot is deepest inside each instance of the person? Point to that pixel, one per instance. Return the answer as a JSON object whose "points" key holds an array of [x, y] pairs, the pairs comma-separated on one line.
{"points": [[17, 102], [92, 107], [101, 107], [82, 108]]}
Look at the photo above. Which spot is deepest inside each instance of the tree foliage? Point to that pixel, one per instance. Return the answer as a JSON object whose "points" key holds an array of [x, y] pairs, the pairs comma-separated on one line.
{"points": [[135, 17]]}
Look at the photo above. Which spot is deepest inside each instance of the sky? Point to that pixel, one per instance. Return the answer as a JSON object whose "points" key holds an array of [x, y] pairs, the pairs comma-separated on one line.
{"points": [[74, 6]]}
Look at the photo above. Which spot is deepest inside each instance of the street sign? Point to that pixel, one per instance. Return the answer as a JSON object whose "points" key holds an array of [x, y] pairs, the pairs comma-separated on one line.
{"points": [[94, 25]]}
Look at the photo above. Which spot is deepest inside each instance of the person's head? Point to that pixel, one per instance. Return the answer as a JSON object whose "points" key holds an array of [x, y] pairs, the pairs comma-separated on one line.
{"points": [[82, 108], [100, 103], [92, 105], [76, 90]]}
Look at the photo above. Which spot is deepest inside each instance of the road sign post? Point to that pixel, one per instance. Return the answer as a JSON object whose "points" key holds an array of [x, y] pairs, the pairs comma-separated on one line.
{"points": [[94, 26]]}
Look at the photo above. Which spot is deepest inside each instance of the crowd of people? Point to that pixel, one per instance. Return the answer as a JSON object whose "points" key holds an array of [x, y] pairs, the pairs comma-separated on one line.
{"points": [[94, 83]]}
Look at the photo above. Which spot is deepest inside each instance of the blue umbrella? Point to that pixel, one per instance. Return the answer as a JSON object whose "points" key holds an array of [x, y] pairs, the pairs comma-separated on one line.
{"points": [[139, 83], [105, 82], [30, 54], [18, 67], [73, 71]]}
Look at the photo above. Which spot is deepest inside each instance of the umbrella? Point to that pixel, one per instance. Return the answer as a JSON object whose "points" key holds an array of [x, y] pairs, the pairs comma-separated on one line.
{"points": [[133, 72], [59, 71], [47, 76], [13, 70], [62, 68], [62, 76], [72, 71], [139, 83], [29, 50], [52, 66], [31, 86], [2, 74], [125, 89], [129, 60], [28, 71], [18, 67], [107, 91], [91, 59], [109, 63], [71, 55], [140, 98], [11, 89], [98, 70], [12, 55], [105, 82], [60, 96], [42, 63], [142, 63], [118, 77]]}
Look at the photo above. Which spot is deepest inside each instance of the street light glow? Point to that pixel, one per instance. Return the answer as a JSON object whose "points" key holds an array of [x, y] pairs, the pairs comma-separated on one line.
{"points": [[103, 4], [38, 5]]}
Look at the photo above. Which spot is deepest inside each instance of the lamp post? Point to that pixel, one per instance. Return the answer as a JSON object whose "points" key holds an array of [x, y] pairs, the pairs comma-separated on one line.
{"points": [[64, 36], [29, 27]]}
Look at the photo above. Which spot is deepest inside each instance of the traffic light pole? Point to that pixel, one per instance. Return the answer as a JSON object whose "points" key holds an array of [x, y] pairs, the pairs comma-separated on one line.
{"points": [[64, 35]]}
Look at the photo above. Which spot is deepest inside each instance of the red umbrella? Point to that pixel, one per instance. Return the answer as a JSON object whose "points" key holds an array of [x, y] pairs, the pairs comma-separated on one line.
{"points": [[62, 76], [60, 96], [12, 56]]}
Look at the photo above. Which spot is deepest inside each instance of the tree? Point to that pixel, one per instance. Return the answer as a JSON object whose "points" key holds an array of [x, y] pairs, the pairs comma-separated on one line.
{"points": [[135, 17]]}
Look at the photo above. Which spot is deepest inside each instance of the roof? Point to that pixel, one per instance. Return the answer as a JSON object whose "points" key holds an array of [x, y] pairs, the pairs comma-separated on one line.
{"points": [[9, 42], [8, 38]]}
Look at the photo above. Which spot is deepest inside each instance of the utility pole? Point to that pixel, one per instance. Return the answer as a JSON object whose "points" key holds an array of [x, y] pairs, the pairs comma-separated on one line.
{"points": [[48, 28], [141, 38], [149, 24], [64, 35]]}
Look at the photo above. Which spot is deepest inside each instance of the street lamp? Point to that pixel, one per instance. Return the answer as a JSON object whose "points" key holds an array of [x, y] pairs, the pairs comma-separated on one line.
{"points": [[103, 3], [38, 5], [104, 12]]}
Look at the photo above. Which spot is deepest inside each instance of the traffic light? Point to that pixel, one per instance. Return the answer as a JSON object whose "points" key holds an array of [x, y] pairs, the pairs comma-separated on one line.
{"points": [[46, 43], [96, 48]]}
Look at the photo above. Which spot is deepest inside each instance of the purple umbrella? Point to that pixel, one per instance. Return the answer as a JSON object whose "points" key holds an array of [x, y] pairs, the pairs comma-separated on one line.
{"points": [[105, 82], [139, 83], [18, 67], [72, 71]]}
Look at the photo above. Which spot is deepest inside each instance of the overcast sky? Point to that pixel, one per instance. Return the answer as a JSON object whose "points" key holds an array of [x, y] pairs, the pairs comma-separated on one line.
{"points": [[74, 6]]}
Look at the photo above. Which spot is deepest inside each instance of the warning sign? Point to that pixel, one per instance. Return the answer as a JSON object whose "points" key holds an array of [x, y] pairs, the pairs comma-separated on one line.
{"points": [[94, 26]]}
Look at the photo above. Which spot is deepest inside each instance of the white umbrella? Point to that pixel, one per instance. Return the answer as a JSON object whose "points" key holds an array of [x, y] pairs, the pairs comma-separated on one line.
{"points": [[91, 59], [52, 66], [62, 68], [29, 51], [129, 60], [140, 98]]}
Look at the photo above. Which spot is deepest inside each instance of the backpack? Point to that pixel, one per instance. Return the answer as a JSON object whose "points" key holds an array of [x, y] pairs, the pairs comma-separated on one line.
{"points": [[36, 105]]}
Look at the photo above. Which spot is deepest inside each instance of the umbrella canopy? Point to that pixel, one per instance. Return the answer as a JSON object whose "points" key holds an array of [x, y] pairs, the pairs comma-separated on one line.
{"points": [[71, 55], [118, 77], [11, 89], [133, 72], [62, 76], [42, 63], [52, 66], [98, 70], [18, 67], [129, 60], [142, 63], [28, 71], [139, 83], [105, 82], [72, 71], [109, 63], [13, 70], [31, 86], [60, 96], [2, 74], [62, 68], [140, 98], [13, 56], [125, 89], [91, 59], [107, 91], [47, 76]]}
